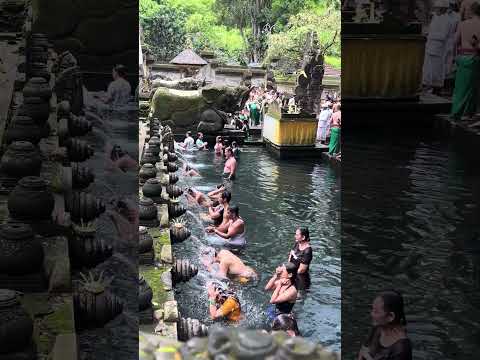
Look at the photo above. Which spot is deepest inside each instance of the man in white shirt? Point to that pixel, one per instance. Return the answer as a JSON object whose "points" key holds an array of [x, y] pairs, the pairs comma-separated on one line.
{"points": [[188, 143], [324, 122], [436, 47], [119, 90], [450, 55]]}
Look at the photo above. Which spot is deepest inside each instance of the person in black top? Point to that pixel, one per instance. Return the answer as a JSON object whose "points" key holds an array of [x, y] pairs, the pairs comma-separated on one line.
{"points": [[301, 255], [283, 286], [388, 338]]}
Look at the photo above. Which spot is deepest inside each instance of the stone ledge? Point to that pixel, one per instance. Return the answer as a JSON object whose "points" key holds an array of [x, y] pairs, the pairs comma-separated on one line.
{"points": [[65, 348]]}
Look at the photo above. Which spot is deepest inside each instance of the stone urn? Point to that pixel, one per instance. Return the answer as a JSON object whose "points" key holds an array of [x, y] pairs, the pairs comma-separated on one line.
{"points": [[148, 213], [172, 157], [94, 305], [172, 167], [79, 126], [37, 87], [189, 328], [82, 176], [154, 145], [183, 270], [145, 294], [38, 69], [16, 326], [40, 40], [63, 109], [21, 159], [84, 206], [86, 248], [20, 251], [253, 344], [149, 157], [155, 141], [174, 191], [78, 150], [38, 54], [179, 232], [175, 209], [152, 188], [31, 200], [23, 128], [172, 178], [145, 240], [36, 108], [147, 171]]}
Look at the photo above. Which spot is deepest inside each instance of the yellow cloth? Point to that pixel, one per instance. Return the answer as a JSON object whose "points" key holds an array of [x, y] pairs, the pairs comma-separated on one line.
{"points": [[376, 66], [231, 309]]}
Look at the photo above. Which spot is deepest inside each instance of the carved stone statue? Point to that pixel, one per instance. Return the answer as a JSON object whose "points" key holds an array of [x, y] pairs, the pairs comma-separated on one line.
{"points": [[202, 110], [308, 91]]}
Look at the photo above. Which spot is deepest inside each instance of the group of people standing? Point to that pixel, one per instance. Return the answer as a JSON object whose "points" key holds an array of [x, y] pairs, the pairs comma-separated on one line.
{"points": [[452, 54]]}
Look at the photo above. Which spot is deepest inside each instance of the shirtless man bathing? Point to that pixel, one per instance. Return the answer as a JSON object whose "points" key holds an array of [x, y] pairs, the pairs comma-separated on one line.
{"points": [[230, 266]]}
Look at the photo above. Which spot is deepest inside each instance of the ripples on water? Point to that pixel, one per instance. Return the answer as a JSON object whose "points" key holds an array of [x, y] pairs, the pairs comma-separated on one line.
{"points": [[118, 340], [274, 198], [410, 221]]}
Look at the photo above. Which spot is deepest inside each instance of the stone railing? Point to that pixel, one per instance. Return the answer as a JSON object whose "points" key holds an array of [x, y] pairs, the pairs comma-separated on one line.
{"points": [[233, 344]]}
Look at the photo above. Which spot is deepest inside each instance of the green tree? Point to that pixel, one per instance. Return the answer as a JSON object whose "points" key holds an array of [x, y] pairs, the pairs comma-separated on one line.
{"points": [[249, 17], [288, 47], [163, 28]]}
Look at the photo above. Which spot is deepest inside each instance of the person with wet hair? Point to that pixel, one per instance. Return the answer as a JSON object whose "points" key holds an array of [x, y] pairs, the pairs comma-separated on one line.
{"points": [[119, 90], [231, 266], [219, 213], [124, 215], [388, 338], [193, 195], [301, 255], [223, 303], [218, 147], [233, 233], [235, 149], [199, 143], [287, 323], [190, 171], [230, 168], [119, 159], [188, 143], [283, 285]]}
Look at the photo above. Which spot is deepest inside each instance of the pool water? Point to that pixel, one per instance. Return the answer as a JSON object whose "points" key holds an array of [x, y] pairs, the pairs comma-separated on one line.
{"points": [[275, 197], [410, 221]]}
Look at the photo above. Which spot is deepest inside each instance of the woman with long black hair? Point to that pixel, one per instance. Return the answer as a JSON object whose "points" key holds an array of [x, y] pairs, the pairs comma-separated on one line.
{"points": [[284, 289], [388, 338], [301, 255]]}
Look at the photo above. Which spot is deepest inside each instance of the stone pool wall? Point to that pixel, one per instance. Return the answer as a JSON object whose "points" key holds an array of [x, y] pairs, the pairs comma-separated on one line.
{"points": [[162, 317]]}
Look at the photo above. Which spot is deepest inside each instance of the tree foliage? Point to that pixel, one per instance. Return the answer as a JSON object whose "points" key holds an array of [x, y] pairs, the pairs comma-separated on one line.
{"points": [[239, 30], [288, 46], [163, 29]]}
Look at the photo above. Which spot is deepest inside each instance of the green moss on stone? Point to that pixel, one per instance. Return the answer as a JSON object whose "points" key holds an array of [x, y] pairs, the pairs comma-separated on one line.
{"points": [[47, 327], [166, 102], [153, 277], [160, 237]]}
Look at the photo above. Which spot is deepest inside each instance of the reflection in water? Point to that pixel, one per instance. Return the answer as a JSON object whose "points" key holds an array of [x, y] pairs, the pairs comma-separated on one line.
{"points": [[409, 209], [274, 198]]}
